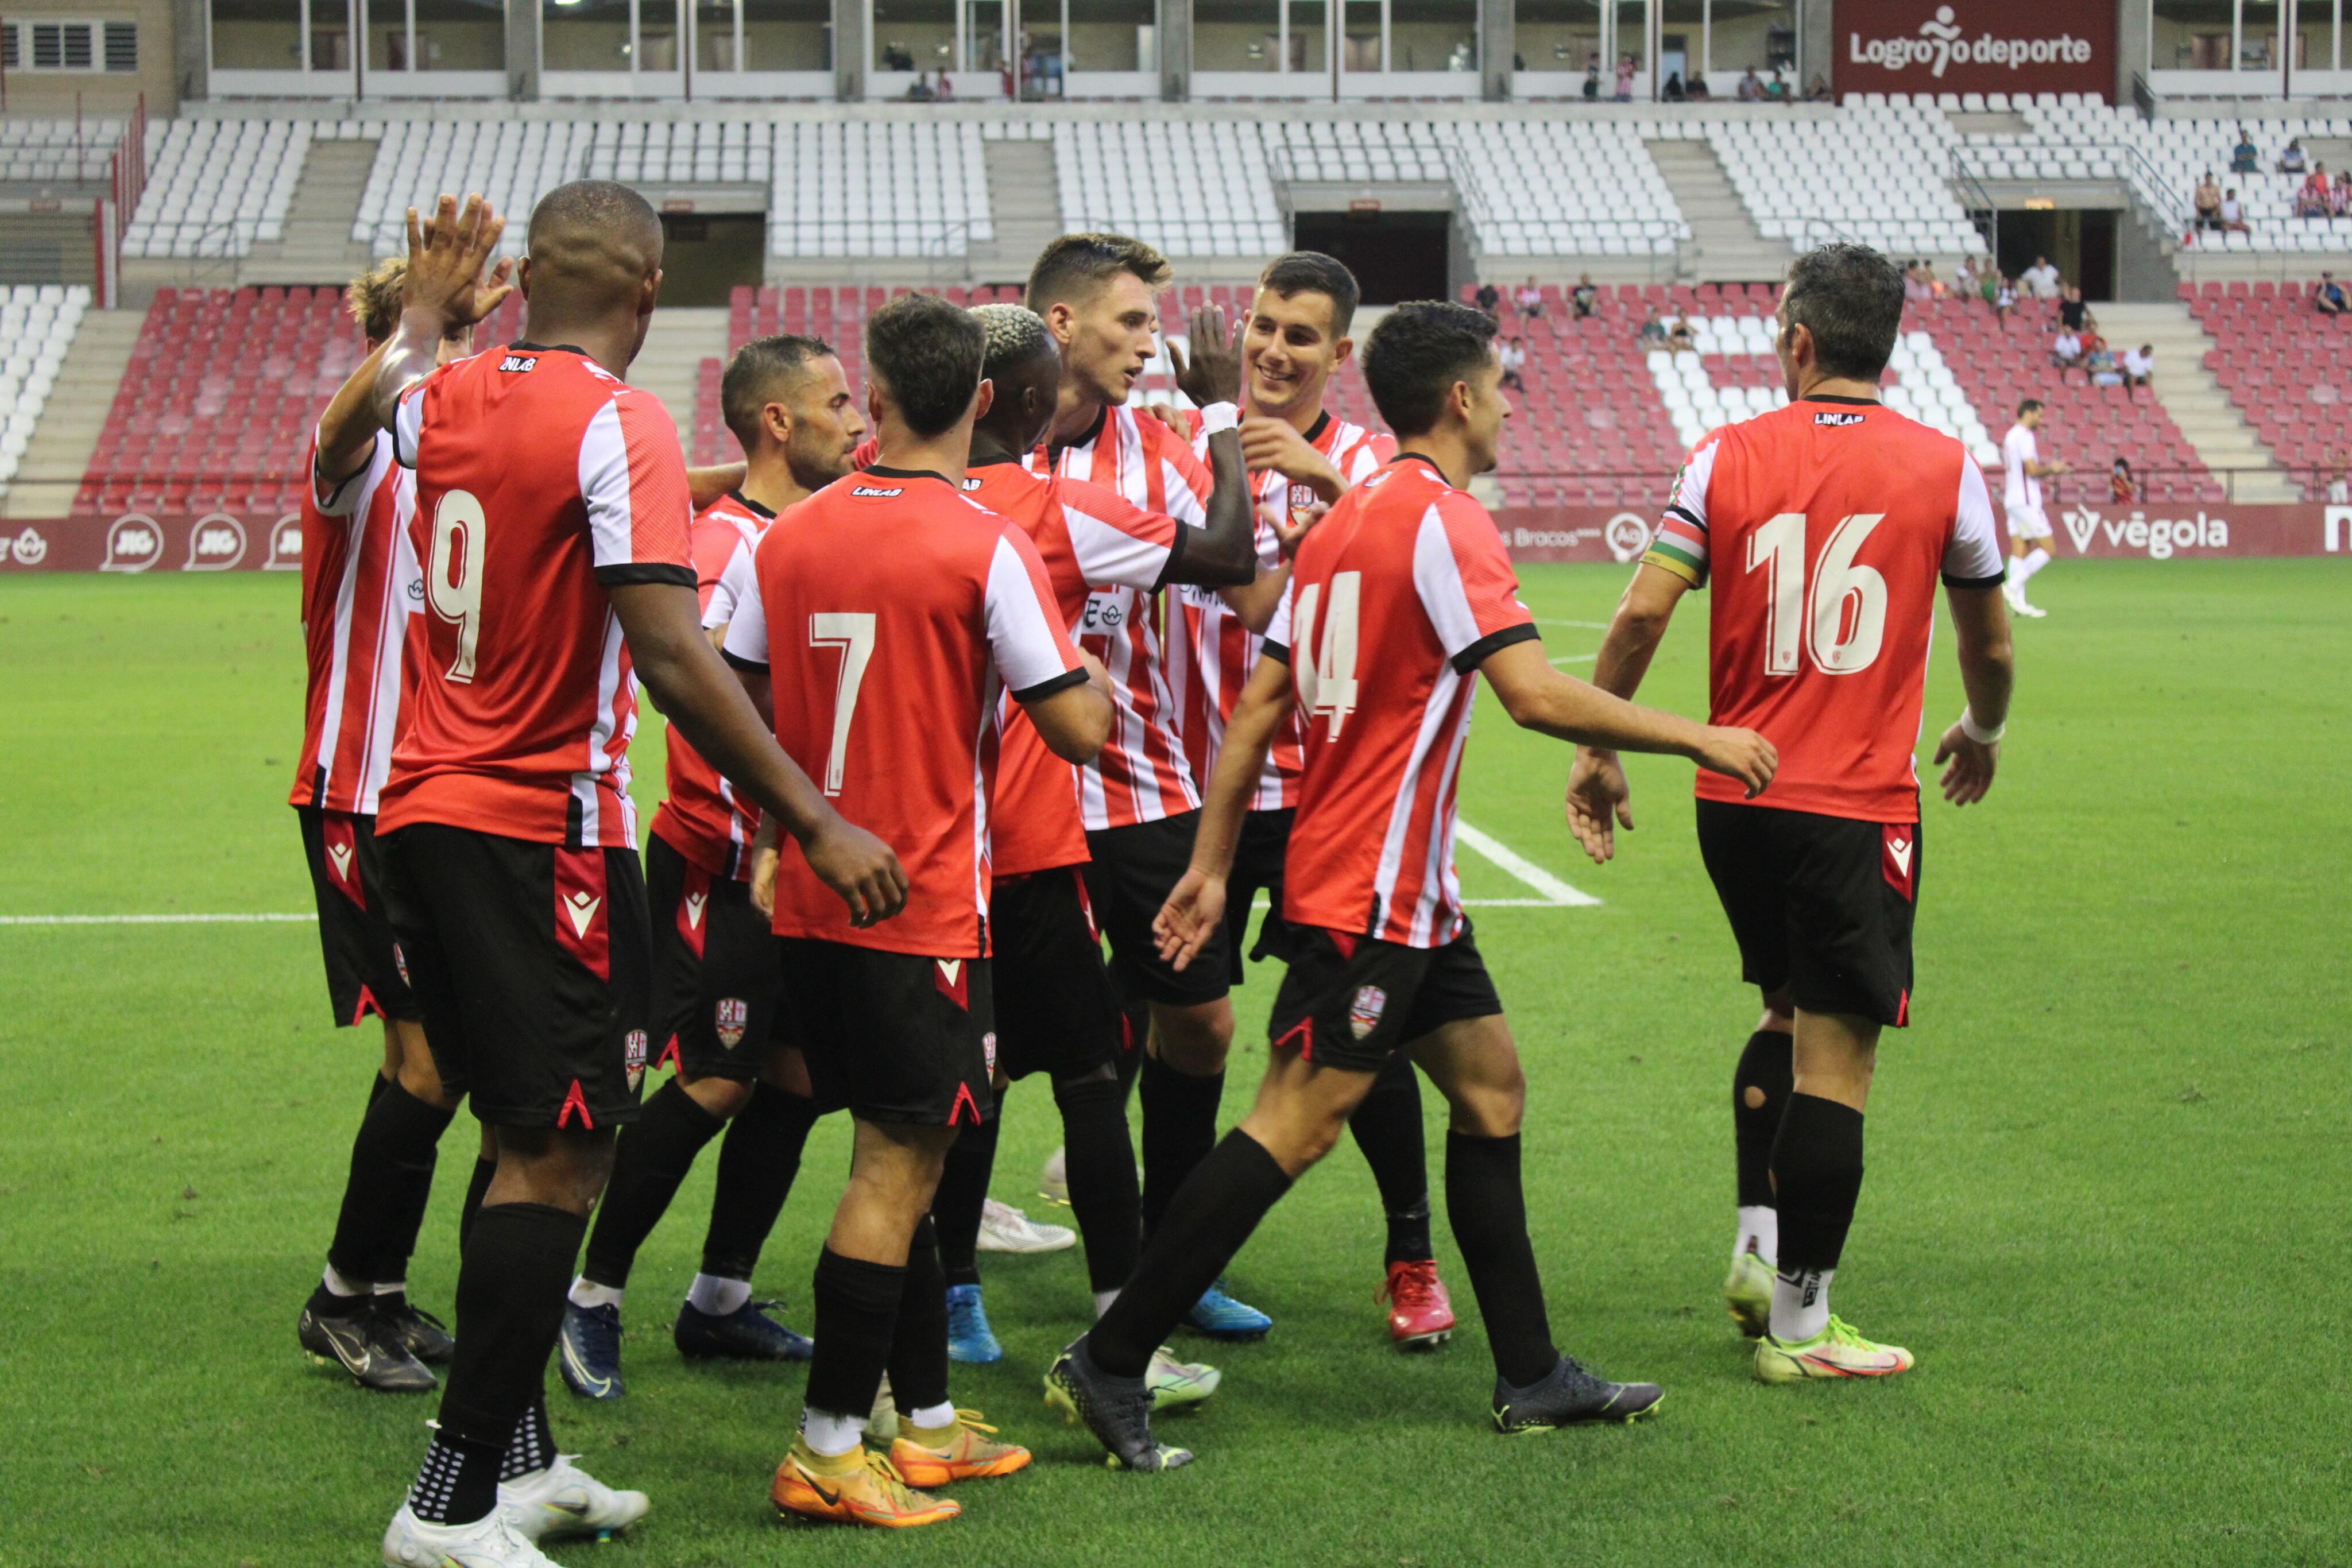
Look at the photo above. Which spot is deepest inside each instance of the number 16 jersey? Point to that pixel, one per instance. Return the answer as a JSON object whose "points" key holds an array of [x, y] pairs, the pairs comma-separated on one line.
{"points": [[1823, 527], [541, 480]]}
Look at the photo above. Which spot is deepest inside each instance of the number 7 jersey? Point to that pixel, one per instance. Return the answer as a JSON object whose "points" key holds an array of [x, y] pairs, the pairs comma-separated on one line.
{"points": [[541, 480], [1822, 528]]}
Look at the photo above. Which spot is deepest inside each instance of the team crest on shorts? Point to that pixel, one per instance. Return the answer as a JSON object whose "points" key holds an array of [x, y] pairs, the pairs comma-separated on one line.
{"points": [[1364, 1015], [733, 1014], [988, 1050], [634, 1058]]}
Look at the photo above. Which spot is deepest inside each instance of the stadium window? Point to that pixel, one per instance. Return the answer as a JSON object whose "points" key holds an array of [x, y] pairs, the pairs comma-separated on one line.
{"points": [[257, 35], [1558, 35], [718, 48], [1742, 35], [916, 35], [74, 47], [1240, 35], [389, 35], [1120, 35], [458, 36], [1430, 35], [1041, 48], [584, 35]]}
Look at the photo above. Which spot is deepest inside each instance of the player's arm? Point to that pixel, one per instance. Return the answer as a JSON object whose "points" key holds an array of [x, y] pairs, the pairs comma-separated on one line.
{"points": [[1197, 905], [347, 431], [1224, 553], [1075, 719], [1971, 747], [1066, 693], [1599, 799], [702, 697], [445, 289], [1543, 699], [704, 486]]}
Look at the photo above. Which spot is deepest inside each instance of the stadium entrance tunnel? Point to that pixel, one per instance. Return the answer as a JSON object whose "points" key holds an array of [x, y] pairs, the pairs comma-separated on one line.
{"points": [[2080, 242], [1395, 255], [705, 256]]}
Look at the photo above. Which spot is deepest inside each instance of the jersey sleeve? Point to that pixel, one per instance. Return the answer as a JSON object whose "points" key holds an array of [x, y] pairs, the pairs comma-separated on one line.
{"points": [[1184, 477], [408, 418], [1275, 644], [735, 581], [1466, 582], [1032, 653], [1973, 557], [632, 480], [746, 646], [1368, 457], [1680, 544], [1116, 543], [345, 499]]}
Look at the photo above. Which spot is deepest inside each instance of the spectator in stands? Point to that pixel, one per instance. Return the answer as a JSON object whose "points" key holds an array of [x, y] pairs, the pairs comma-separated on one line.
{"points": [[2243, 158], [2339, 200], [2311, 199], [2340, 481], [1751, 89], [1625, 78], [2290, 160], [2233, 212], [1696, 89], [919, 90], [2071, 308], [1652, 334], [897, 57], [1776, 89], [2329, 296], [1935, 288], [1593, 79], [1489, 299], [2209, 201], [1916, 288], [1820, 91], [2122, 487], [2139, 365], [2004, 300], [1529, 299], [2099, 363], [1682, 338], [1673, 92], [1967, 283], [2066, 352], [1583, 296], [2041, 279], [1513, 356]]}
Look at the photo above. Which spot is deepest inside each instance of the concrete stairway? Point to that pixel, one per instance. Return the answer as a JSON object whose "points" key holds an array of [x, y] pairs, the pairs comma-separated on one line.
{"points": [[2222, 440], [316, 246], [676, 346], [1026, 203], [59, 454], [1726, 246]]}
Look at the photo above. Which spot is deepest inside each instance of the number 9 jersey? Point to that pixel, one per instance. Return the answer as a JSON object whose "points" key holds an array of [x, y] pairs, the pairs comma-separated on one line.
{"points": [[541, 480], [1822, 528]]}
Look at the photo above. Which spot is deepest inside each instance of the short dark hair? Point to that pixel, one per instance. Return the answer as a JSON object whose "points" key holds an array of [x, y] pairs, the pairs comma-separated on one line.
{"points": [[1312, 272], [2029, 406], [1417, 353], [927, 353], [1852, 297], [759, 371], [1076, 264]]}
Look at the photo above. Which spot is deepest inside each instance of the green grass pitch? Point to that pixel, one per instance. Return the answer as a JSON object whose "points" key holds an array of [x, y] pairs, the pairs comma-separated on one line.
{"points": [[2107, 1201]]}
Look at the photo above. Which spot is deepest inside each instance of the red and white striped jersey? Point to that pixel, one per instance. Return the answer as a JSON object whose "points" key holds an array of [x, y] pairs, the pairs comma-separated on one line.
{"points": [[1823, 527], [702, 819], [541, 479], [1210, 665], [891, 612], [1141, 776], [359, 584], [1394, 601], [1089, 538]]}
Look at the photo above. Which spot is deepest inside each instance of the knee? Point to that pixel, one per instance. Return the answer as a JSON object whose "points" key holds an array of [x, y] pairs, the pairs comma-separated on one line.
{"points": [[414, 1068], [721, 1097], [1194, 1040], [787, 1069], [1492, 1106]]}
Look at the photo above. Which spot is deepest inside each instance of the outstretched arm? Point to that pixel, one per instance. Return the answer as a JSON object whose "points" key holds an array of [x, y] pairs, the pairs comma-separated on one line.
{"points": [[1599, 799], [347, 431], [1541, 699], [1224, 553], [445, 289]]}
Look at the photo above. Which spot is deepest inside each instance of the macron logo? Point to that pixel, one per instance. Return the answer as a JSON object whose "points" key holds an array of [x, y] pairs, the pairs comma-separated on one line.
{"points": [[518, 364], [582, 909], [693, 903], [341, 855], [1901, 850]]}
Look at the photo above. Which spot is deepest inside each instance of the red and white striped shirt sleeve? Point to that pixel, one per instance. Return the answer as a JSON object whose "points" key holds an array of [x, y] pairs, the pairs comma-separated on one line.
{"points": [[747, 624], [1116, 543], [735, 580], [1033, 654], [408, 416], [1466, 582], [632, 478]]}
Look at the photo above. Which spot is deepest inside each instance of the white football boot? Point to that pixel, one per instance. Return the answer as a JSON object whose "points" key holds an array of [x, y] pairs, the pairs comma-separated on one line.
{"points": [[564, 1500]]}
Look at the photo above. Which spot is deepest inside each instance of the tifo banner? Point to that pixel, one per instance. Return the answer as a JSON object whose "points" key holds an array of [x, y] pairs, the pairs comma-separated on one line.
{"points": [[137, 541], [1974, 45]]}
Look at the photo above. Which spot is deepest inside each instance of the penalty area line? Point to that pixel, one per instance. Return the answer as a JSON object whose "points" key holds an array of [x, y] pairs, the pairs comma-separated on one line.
{"points": [[1556, 892], [271, 919]]}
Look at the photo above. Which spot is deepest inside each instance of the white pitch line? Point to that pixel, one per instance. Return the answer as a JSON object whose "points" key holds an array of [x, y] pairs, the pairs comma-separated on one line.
{"points": [[1554, 890], [152, 919], [1588, 625], [1575, 659]]}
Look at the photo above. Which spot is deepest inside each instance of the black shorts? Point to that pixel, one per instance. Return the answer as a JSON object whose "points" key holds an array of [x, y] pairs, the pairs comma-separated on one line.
{"points": [[1055, 1010], [1351, 1002], [1257, 868], [1133, 871], [892, 1037], [1820, 905], [717, 990], [532, 967], [354, 936]]}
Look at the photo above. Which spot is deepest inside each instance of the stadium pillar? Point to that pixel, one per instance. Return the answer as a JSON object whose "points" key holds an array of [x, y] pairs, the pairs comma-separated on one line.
{"points": [[522, 51], [1498, 47], [2131, 50], [191, 49], [1175, 50], [851, 50], [1817, 42]]}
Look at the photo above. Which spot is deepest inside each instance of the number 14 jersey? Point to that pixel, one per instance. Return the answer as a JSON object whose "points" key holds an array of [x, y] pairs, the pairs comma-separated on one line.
{"points": [[1822, 528]]}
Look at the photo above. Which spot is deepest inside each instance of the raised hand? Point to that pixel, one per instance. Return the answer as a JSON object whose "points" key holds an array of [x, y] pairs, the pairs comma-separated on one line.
{"points": [[446, 256], [1213, 375]]}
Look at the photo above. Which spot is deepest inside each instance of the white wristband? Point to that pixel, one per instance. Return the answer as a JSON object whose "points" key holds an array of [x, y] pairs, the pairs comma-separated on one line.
{"points": [[1217, 416], [1977, 733]]}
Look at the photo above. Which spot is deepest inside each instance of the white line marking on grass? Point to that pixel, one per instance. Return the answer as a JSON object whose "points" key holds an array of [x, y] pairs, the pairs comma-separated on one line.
{"points": [[1555, 892], [153, 919], [1575, 659], [1588, 625]]}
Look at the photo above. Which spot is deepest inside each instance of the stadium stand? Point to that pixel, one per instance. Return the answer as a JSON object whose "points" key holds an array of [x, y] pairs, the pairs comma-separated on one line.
{"points": [[2287, 369], [42, 151], [215, 186], [216, 408], [36, 326], [1873, 172]]}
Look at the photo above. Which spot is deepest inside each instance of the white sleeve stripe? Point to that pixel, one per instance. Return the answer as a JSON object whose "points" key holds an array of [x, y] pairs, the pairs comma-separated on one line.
{"points": [[604, 485], [1110, 557], [1182, 504], [728, 589], [1974, 553], [747, 628], [1690, 495], [1437, 577], [1020, 634]]}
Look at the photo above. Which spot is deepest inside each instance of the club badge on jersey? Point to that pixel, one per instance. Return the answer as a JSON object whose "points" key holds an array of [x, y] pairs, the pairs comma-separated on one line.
{"points": [[634, 1058]]}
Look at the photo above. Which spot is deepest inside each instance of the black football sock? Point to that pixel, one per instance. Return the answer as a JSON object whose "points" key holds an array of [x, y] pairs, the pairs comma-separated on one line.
{"points": [[955, 1206], [1817, 1170], [1211, 1217], [376, 1086], [1134, 1029], [478, 1187], [1099, 1162], [458, 1482], [650, 1159], [1180, 1128], [392, 1156], [510, 1307], [1488, 1211], [1760, 1097], [1387, 1127], [856, 1312], [918, 1342], [532, 1446], [758, 1161]]}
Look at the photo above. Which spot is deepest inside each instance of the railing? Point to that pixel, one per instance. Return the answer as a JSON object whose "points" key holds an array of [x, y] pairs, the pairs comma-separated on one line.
{"points": [[2134, 170], [2142, 97]]}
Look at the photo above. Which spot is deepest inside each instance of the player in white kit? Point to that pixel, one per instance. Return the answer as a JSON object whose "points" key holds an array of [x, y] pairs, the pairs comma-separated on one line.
{"points": [[2029, 525]]}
